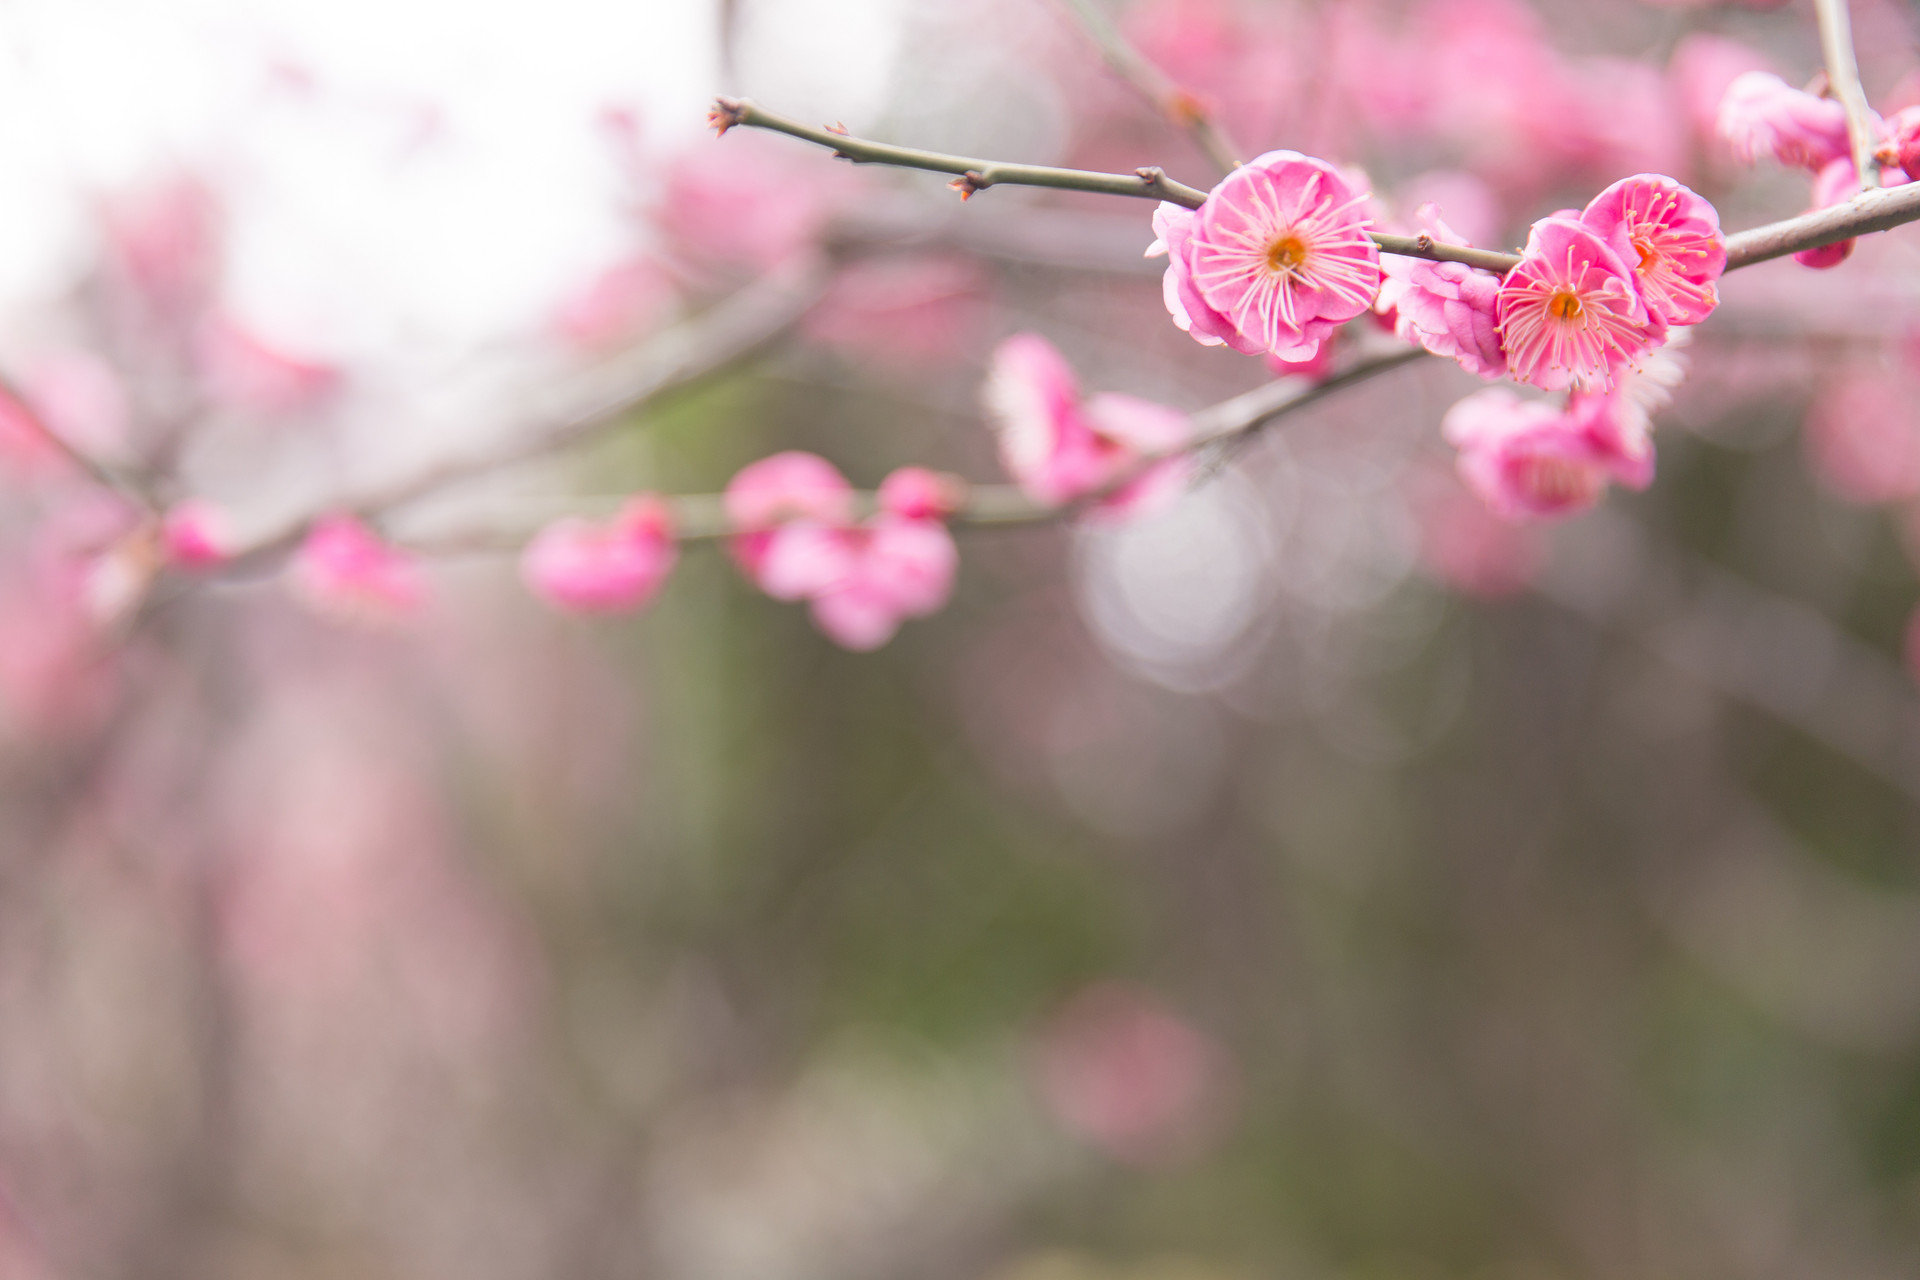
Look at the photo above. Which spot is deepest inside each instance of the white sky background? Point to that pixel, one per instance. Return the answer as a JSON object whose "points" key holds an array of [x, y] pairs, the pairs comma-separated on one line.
{"points": [[399, 171]]}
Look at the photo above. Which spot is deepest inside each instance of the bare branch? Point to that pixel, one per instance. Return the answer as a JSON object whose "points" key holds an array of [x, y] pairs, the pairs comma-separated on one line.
{"points": [[1180, 108], [1843, 78], [1870, 211]]}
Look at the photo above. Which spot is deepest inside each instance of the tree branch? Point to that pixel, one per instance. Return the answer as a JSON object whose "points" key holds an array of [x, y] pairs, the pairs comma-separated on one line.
{"points": [[1180, 108], [1843, 78]]}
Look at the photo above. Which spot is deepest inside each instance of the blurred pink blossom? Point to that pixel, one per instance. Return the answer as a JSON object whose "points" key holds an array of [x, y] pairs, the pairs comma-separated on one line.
{"points": [[245, 371], [768, 493], [1466, 546], [195, 534], [1059, 448], [619, 303], [1473, 209], [1317, 367], [1670, 237], [746, 201], [1276, 257], [1446, 307], [1527, 459], [1701, 69], [1125, 1074], [909, 313], [1839, 181], [1571, 314], [863, 581], [1903, 139], [163, 242], [1762, 114], [603, 568], [917, 493], [81, 398], [1863, 437], [344, 571]]}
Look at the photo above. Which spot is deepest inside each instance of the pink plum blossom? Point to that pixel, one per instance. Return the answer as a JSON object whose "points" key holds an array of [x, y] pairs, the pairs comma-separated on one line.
{"points": [[1834, 184], [751, 203], [768, 493], [586, 567], [194, 535], [1446, 307], [1527, 459], [1762, 114], [1276, 257], [863, 580], [1060, 448], [1672, 239], [343, 570], [1701, 69], [1127, 1075], [1570, 315], [1903, 139]]}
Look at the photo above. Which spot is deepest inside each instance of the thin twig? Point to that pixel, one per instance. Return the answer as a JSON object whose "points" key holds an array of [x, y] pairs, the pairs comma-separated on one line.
{"points": [[977, 175], [94, 469], [1180, 108], [1870, 211], [1843, 77]]}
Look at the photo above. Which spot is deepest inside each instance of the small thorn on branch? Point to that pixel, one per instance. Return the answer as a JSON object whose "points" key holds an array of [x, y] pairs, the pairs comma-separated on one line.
{"points": [[728, 112]]}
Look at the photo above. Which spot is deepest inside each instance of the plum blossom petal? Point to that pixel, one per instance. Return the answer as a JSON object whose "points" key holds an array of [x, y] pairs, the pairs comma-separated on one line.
{"points": [[586, 567], [345, 571], [786, 486], [1571, 314], [1837, 182], [863, 581], [1670, 236], [1446, 307], [1273, 260], [1059, 448], [1762, 114], [920, 494], [1528, 459]]}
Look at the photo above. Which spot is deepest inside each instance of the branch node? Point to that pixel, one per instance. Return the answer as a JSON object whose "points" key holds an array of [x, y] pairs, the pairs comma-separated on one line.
{"points": [[969, 183], [728, 112]]}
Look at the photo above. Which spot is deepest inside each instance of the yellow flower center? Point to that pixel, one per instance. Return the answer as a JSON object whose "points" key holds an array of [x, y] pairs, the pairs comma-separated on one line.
{"points": [[1647, 253], [1565, 304], [1286, 253]]}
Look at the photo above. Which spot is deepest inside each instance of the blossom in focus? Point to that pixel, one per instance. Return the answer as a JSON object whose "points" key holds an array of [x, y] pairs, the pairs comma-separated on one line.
{"points": [[1570, 315], [1528, 459], [1835, 183], [344, 570], [1125, 1074], [1446, 307], [1276, 257], [768, 493], [1060, 448], [607, 567], [862, 581], [194, 535], [1762, 114], [1670, 236]]}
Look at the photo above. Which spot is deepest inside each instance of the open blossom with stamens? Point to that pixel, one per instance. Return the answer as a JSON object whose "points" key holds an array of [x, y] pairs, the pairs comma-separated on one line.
{"points": [[603, 568], [1528, 459], [1276, 257], [1060, 448], [1764, 115], [1670, 237], [1570, 314], [1446, 307]]}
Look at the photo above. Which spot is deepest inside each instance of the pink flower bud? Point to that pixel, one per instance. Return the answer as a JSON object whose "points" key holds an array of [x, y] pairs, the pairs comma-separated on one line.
{"points": [[1764, 115], [1836, 183], [194, 535], [603, 568], [346, 572], [768, 493]]}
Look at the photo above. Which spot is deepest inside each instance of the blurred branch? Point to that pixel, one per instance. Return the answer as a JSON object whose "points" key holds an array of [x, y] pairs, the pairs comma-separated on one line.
{"points": [[1843, 77], [675, 362], [99, 472], [1180, 108], [703, 516], [1747, 644]]}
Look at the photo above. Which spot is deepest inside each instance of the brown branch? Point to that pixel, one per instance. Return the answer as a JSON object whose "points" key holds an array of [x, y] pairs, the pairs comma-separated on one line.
{"points": [[1180, 108], [1843, 79]]}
